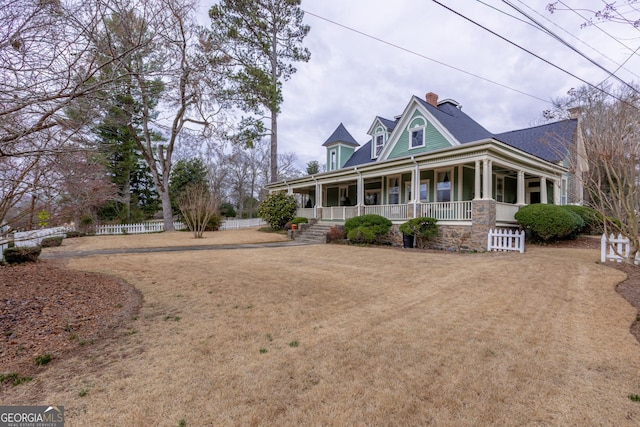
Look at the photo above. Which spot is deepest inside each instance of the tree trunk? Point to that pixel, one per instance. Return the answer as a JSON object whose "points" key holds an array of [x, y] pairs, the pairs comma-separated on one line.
{"points": [[167, 214], [274, 106]]}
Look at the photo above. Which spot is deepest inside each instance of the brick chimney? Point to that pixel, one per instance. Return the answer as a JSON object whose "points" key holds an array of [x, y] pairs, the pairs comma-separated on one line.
{"points": [[432, 98]]}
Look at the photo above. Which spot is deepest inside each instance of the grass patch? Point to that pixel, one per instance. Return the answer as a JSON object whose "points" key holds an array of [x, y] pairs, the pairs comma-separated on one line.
{"points": [[14, 378], [634, 397], [294, 344], [263, 350], [42, 360], [174, 318]]}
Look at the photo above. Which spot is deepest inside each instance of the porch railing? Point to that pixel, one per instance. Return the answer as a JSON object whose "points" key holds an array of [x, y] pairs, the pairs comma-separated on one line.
{"points": [[506, 212], [306, 212], [446, 211], [388, 211], [339, 212]]}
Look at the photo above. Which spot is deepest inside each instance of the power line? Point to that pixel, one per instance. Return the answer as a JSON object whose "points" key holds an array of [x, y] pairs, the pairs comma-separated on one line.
{"points": [[426, 57], [532, 53], [570, 46]]}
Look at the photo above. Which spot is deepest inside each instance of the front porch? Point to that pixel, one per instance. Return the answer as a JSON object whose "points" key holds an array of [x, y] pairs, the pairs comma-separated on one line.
{"points": [[469, 189]]}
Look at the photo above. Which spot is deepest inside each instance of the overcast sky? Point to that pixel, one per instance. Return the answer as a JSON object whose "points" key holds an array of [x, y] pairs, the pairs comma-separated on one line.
{"points": [[352, 78]]}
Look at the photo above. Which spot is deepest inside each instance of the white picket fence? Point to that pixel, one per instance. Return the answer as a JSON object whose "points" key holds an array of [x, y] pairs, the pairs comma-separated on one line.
{"points": [[140, 228], [505, 240], [615, 248], [234, 224]]}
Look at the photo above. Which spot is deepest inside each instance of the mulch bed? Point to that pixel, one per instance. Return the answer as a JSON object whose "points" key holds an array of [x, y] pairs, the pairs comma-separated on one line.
{"points": [[47, 311]]}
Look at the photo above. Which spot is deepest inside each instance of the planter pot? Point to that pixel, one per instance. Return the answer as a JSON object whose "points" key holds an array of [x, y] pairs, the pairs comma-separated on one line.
{"points": [[294, 226], [407, 241]]}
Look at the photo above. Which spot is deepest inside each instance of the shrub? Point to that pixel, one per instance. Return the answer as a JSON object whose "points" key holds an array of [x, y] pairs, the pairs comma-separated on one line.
{"points": [[214, 223], [22, 255], [544, 222], [592, 219], [336, 234], [424, 228], [50, 242], [277, 209], [299, 220], [366, 228], [72, 234]]}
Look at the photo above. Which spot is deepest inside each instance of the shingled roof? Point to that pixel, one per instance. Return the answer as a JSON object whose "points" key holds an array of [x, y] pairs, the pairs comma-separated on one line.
{"points": [[461, 126], [341, 134], [550, 142]]}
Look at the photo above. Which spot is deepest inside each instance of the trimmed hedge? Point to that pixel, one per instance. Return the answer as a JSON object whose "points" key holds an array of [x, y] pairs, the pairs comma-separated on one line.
{"points": [[278, 209], [366, 228], [593, 223], [299, 220], [21, 255], [544, 222], [50, 242]]}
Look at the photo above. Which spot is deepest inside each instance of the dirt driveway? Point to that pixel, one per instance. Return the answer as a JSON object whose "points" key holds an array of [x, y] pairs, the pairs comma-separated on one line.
{"points": [[341, 335]]}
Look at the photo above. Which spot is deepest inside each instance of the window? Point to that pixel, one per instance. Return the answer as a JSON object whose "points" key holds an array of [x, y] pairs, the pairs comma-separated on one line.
{"points": [[443, 186], [499, 188], [372, 197], [394, 190], [333, 166], [379, 144], [417, 138], [424, 191]]}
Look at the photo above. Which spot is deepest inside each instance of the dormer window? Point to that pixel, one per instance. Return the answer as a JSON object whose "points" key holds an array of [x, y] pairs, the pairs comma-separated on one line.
{"points": [[417, 133], [379, 144]]}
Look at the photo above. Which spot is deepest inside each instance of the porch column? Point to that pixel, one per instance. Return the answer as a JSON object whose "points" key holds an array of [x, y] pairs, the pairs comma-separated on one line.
{"points": [[460, 178], [360, 192], [486, 179], [415, 175], [556, 192], [477, 189], [521, 190], [543, 190]]}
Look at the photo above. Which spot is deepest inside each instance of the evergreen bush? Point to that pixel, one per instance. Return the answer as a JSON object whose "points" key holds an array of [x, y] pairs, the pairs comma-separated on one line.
{"points": [[366, 228], [424, 228], [593, 223], [299, 220], [50, 242], [277, 209], [21, 255], [545, 223]]}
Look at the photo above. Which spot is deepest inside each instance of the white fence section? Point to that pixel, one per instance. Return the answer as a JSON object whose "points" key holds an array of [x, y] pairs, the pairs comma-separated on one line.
{"points": [[615, 248], [505, 240], [23, 239], [234, 224], [144, 227], [4, 244]]}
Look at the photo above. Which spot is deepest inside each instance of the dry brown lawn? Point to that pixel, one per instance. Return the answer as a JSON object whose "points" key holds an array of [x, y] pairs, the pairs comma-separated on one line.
{"points": [[340, 335]]}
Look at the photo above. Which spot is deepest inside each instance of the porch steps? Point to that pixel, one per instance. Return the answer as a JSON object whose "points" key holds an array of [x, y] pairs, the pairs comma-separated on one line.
{"points": [[316, 233]]}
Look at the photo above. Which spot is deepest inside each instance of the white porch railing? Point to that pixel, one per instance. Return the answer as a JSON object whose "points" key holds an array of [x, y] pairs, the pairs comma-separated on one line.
{"points": [[446, 211], [615, 248], [506, 212], [505, 240], [309, 213], [339, 212], [388, 211]]}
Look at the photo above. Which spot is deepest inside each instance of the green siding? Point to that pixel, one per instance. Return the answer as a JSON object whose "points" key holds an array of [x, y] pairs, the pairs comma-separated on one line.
{"points": [[468, 183], [332, 196], [510, 190], [345, 154], [434, 140]]}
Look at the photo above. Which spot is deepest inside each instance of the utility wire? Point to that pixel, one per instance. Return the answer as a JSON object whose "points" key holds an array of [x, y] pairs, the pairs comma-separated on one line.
{"points": [[426, 57], [604, 55], [570, 46], [533, 54]]}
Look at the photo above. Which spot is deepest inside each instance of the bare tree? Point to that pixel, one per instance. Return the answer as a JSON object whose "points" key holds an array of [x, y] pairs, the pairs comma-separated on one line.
{"points": [[610, 130], [198, 206]]}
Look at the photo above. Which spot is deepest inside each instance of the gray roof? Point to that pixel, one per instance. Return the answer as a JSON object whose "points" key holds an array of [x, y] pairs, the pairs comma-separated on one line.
{"points": [[461, 126], [550, 142], [361, 156], [389, 124], [341, 134]]}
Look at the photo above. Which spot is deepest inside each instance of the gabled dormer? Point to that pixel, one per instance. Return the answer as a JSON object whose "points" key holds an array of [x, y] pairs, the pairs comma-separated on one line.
{"points": [[340, 147], [380, 132]]}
